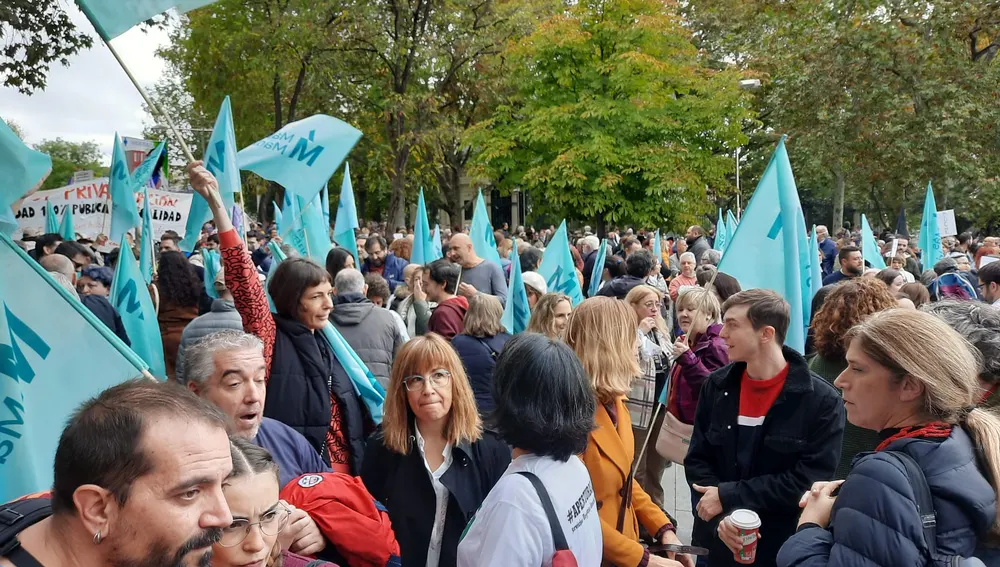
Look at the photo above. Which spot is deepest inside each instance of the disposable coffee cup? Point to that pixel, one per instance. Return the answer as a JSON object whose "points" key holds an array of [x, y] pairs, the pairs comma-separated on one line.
{"points": [[748, 524]]}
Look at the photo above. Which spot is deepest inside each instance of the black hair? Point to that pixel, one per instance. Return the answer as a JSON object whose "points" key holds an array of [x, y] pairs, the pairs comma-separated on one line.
{"points": [[444, 272], [290, 280], [964, 238], [640, 263], [530, 258], [336, 259], [177, 281], [113, 257], [48, 239], [990, 273], [544, 401], [104, 442], [373, 240], [615, 266], [71, 249], [213, 238], [846, 251]]}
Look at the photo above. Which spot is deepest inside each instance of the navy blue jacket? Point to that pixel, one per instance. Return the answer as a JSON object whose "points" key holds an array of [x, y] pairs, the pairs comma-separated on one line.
{"points": [[875, 522], [479, 362], [392, 271]]}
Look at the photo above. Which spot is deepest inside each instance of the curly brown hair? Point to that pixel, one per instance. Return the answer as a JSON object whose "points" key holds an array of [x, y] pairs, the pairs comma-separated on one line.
{"points": [[849, 303]]}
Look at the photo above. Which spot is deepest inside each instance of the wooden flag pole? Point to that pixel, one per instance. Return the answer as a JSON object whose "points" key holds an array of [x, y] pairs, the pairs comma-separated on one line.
{"points": [[152, 105]]}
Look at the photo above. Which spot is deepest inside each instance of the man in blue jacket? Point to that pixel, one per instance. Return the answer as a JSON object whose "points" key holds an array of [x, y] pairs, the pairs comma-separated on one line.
{"points": [[382, 262], [765, 429]]}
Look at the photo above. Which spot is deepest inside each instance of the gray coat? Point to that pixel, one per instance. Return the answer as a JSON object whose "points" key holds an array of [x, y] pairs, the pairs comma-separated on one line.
{"points": [[699, 247], [222, 316], [372, 332]]}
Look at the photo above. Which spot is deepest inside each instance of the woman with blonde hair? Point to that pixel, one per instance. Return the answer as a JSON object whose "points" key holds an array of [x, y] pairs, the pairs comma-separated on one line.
{"points": [[479, 346], [430, 462], [913, 379], [601, 332], [699, 350], [654, 360], [551, 315]]}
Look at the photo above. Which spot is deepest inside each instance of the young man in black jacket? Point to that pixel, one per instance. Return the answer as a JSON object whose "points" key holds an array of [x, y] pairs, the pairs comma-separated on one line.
{"points": [[765, 430]]}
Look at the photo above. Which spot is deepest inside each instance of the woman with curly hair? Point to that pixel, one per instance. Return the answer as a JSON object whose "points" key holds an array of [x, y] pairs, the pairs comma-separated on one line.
{"points": [[848, 304], [179, 290], [402, 248]]}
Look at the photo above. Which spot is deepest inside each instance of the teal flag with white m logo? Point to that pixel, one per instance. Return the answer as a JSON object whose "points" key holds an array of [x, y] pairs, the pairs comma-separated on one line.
{"points": [[220, 160], [54, 355], [302, 156], [558, 268], [131, 298]]}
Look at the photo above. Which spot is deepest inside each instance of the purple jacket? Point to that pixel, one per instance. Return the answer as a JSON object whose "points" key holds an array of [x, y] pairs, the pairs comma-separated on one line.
{"points": [[693, 367]]}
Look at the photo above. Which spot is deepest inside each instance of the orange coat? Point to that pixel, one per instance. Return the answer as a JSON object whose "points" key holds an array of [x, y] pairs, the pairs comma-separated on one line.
{"points": [[609, 457]]}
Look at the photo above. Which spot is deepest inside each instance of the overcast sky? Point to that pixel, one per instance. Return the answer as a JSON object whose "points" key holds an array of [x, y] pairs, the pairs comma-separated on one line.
{"points": [[92, 97]]}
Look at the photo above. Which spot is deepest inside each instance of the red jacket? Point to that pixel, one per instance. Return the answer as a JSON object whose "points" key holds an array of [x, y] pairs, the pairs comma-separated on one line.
{"points": [[448, 318]]}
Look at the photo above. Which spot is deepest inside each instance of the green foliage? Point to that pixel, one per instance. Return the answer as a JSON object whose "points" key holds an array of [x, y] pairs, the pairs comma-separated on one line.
{"points": [[35, 34], [885, 95], [616, 116], [68, 158]]}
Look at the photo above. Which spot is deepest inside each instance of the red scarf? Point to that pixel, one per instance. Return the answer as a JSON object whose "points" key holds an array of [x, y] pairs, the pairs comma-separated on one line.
{"points": [[932, 430]]}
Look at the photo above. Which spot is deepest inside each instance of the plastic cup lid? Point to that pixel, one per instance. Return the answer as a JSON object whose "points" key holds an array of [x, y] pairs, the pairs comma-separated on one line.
{"points": [[746, 519]]}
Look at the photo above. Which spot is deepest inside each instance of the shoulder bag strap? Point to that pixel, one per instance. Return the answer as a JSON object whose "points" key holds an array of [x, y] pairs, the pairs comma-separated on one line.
{"points": [[626, 501], [922, 495], [558, 537], [493, 353]]}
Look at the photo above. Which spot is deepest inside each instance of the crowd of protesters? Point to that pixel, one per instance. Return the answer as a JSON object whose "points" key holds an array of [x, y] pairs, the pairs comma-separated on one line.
{"points": [[500, 450]]}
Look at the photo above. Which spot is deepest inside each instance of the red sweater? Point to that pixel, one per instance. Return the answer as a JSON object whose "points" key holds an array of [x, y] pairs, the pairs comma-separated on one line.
{"points": [[448, 318]]}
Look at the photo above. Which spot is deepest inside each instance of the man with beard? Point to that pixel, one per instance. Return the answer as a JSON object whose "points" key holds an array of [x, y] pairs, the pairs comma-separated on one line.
{"points": [[696, 241], [382, 262], [138, 483], [852, 265]]}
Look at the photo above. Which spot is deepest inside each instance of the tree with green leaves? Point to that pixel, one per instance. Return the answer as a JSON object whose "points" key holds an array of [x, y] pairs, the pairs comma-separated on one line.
{"points": [[615, 116], [34, 35], [68, 158]]}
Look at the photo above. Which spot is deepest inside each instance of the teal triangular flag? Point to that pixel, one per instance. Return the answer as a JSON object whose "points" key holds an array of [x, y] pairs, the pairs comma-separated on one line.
{"points": [[130, 296], [558, 268], [517, 312], [51, 220]]}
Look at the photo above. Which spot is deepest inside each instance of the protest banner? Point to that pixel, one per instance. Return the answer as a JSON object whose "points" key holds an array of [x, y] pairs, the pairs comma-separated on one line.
{"points": [[91, 208], [946, 223]]}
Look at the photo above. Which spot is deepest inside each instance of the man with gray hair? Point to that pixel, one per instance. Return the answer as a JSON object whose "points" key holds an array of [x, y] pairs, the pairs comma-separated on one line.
{"points": [[371, 332], [227, 368], [979, 324]]}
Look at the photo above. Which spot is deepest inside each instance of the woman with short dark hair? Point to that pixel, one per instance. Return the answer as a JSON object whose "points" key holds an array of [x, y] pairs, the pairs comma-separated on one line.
{"points": [[545, 411], [307, 387], [179, 291]]}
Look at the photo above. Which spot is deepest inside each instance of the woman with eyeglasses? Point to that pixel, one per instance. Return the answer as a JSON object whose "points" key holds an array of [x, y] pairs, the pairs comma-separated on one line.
{"points": [[430, 463], [259, 517]]}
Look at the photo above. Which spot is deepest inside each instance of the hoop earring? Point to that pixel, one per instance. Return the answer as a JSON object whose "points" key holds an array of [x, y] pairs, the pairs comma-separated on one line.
{"points": [[97, 538]]}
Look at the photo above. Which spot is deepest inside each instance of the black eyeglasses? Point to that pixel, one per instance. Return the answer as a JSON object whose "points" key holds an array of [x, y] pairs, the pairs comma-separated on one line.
{"points": [[271, 524]]}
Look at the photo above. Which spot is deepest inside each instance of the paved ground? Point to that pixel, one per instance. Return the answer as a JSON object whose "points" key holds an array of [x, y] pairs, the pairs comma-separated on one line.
{"points": [[677, 500]]}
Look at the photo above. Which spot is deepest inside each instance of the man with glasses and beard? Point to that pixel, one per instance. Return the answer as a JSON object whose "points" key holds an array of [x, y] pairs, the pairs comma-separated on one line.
{"points": [[382, 262], [138, 483]]}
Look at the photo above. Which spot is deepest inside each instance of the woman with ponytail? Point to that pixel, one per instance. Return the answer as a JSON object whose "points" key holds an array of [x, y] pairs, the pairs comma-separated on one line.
{"points": [[913, 379]]}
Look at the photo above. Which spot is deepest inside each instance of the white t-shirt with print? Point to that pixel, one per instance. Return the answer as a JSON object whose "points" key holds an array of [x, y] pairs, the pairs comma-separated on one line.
{"points": [[511, 530]]}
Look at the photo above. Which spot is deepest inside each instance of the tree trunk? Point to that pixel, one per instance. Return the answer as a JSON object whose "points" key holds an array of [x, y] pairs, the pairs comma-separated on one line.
{"points": [[449, 176], [838, 200], [395, 129]]}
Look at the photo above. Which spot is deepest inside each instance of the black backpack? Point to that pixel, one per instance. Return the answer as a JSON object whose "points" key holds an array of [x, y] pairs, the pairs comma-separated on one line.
{"points": [[15, 517], [928, 515]]}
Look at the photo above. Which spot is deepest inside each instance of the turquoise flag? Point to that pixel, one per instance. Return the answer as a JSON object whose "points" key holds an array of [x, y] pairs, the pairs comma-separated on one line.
{"points": [[438, 250], [766, 247], [8, 222], [598, 271], [869, 247], [146, 240], [656, 246], [212, 261], [54, 355], [303, 155], [558, 268], [481, 233], [423, 243], [930, 236], [815, 280], [66, 228], [293, 233], [279, 219], [325, 201], [365, 385], [721, 234], [142, 174], [21, 168], [51, 220], [315, 229], [347, 217], [517, 312], [124, 213], [220, 160], [731, 223], [130, 296], [111, 18]]}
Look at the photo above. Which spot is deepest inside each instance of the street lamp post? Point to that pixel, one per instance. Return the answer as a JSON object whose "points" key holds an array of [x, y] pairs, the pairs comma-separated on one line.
{"points": [[747, 85]]}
